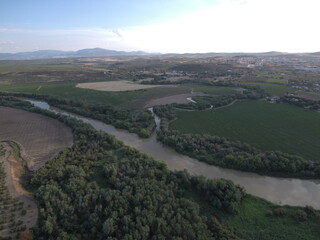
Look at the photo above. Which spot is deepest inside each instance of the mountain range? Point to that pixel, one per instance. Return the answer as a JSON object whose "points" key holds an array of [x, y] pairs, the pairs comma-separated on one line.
{"points": [[45, 54], [100, 52]]}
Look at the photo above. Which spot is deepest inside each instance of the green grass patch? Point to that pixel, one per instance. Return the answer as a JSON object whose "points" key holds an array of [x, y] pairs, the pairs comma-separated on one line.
{"points": [[36, 66], [212, 89], [273, 89], [69, 91], [263, 125], [253, 223], [275, 80]]}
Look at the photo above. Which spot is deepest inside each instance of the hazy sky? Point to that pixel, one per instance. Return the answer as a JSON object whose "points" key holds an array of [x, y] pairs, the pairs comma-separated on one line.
{"points": [[161, 25]]}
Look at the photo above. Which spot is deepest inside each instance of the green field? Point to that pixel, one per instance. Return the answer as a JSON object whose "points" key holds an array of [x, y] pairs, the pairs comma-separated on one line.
{"points": [[69, 91], [37, 66], [131, 99], [253, 223], [212, 89], [263, 125], [276, 80], [273, 89]]}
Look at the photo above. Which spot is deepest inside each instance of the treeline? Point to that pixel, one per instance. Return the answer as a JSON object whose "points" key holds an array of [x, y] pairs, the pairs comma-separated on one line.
{"points": [[232, 154], [301, 102], [140, 122], [101, 189], [207, 102]]}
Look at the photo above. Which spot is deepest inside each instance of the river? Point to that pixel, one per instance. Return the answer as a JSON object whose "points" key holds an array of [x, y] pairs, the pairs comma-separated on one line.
{"points": [[283, 191]]}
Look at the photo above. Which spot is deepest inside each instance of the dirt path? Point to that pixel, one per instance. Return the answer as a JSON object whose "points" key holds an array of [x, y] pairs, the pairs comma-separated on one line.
{"points": [[14, 169]]}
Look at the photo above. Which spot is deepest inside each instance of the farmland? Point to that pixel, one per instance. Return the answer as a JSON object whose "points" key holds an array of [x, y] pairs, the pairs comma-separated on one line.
{"points": [[117, 86], [212, 89], [261, 124], [69, 91], [39, 137], [273, 89], [129, 99], [100, 186]]}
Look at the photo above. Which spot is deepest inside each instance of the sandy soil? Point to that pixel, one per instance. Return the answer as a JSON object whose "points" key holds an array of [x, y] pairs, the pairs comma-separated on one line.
{"points": [[117, 86], [179, 98], [40, 138], [13, 171]]}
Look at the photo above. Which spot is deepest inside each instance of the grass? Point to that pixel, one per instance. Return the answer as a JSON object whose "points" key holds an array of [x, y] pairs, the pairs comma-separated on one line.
{"points": [[253, 223], [273, 89], [212, 89], [36, 66], [69, 91], [274, 80], [263, 125], [129, 99]]}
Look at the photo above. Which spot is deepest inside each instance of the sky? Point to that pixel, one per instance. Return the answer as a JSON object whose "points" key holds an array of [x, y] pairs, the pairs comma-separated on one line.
{"points": [[166, 26]]}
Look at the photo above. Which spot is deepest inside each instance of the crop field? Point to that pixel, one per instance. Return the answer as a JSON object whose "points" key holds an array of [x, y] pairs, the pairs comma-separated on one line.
{"points": [[263, 125], [275, 80], [273, 89], [69, 91], [36, 66], [117, 86], [156, 95], [40, 137]]}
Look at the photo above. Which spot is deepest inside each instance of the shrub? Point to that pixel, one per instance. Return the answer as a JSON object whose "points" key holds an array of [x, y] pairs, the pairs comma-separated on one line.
{"points": [[300, 215], [280, 212]]}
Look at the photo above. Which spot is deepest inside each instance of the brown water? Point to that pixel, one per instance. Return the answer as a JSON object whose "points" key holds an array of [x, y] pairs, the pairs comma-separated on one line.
{"points": [[283, 191]]}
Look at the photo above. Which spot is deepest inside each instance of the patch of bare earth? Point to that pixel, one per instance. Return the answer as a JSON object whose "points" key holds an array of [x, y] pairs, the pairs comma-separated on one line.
{"points": [[40, 138], [19, 211], [118, 86], [178, 98]]}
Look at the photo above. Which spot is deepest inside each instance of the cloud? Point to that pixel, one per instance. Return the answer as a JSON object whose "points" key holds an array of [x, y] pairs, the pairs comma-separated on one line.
{"points": [[229, 26]]}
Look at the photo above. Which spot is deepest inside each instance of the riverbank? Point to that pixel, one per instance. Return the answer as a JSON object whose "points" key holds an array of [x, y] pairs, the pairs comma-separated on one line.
{"points": [[283, 191], [307, 227], [20, 211]]}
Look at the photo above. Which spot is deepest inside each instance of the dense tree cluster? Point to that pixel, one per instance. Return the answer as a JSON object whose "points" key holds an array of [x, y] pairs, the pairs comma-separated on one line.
{"points": [[301, 102], [101, 189], [234, 154], [140, 122], [206, 102]]}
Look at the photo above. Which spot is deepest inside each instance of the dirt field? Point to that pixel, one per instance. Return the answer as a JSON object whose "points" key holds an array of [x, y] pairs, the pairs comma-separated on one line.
{"points": [[39, 137], [118, 86], [17, 204], [179, 98]]}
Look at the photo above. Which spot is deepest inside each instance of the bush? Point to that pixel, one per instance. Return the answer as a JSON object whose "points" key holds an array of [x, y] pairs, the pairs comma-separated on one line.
{"points": [[280, 212], [23, 212], [300, 215], [269, 213]]}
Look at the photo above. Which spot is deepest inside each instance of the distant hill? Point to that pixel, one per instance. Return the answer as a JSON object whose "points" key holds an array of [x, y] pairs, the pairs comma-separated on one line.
{"points": [[45, 54], [214, 54], [100, 52]]}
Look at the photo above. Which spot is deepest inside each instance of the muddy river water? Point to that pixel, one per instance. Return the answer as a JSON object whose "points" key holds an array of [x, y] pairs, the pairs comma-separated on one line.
{"points": [[283, 191]]}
